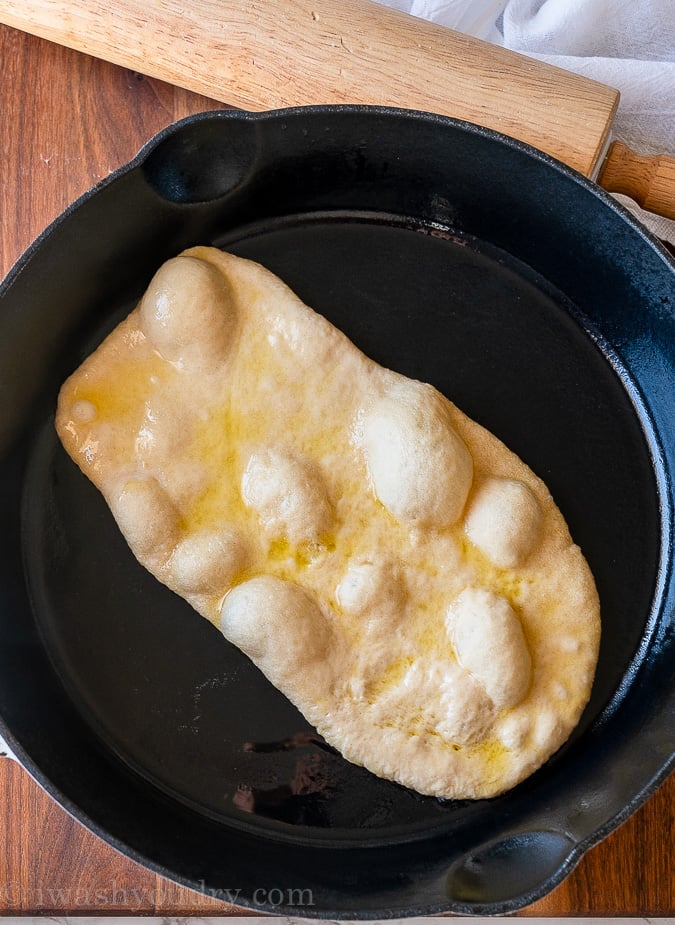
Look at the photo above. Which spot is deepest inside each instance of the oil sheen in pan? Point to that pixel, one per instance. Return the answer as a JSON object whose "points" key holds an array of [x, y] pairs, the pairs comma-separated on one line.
{"points": [[185, 710]]}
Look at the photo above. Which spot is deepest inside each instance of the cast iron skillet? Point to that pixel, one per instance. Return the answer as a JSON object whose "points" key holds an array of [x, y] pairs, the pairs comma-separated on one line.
{"points": [[450, 254]]}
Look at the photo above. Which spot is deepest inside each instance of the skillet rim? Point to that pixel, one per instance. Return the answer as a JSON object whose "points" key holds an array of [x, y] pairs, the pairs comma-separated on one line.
{"points": [[294, 111], [22, 264]]}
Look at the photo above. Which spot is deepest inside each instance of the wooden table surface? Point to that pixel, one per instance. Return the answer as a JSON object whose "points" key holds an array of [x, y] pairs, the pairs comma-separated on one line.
{"points": [[66, 121]]}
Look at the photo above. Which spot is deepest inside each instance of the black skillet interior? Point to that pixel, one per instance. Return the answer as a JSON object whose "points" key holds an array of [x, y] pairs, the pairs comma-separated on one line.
{"points": [[451, 255]]}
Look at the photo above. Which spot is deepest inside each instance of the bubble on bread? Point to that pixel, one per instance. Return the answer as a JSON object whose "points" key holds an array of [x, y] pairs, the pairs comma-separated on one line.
{"points": [[504, 520], [401, 576], [449, 704], [488, 639], [209, 561], [282, 628], [147, 518], [256, 613], [420, 469], [187, 313], [289, 494], [466, 713]]}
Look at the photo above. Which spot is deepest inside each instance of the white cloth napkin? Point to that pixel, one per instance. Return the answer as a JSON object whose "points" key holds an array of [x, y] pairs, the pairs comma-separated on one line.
{"points": [[628, 44]]}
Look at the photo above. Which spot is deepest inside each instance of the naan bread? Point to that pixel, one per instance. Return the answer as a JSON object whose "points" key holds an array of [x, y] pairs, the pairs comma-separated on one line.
{"points": [[404, 579]]}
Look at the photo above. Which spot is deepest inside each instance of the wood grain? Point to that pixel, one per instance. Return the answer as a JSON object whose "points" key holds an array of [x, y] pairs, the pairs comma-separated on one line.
{"points": [[263, 55], [66, 120], [50, 864]]}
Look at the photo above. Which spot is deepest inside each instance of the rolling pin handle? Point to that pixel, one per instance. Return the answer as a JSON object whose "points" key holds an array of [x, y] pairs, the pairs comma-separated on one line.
{"points": [[649, 181]]}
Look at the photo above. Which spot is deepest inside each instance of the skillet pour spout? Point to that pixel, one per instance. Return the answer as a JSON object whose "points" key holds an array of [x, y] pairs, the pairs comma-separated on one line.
{"points": [[448, 253]]}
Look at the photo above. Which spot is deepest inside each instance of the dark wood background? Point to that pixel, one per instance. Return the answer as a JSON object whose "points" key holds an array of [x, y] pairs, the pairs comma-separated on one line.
{"points": [[66, 121]]}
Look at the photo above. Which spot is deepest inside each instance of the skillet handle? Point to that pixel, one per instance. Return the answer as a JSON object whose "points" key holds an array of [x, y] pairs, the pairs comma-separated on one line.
{"points": [[510, 872], [650, 181]]}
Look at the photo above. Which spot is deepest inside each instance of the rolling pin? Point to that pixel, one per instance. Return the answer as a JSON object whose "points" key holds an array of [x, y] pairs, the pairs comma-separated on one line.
{"points": [[269, 54]]}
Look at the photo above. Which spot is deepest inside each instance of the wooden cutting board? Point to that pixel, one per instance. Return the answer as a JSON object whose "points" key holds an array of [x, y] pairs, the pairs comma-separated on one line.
{"points": [[265, 54], [66, 121]]}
